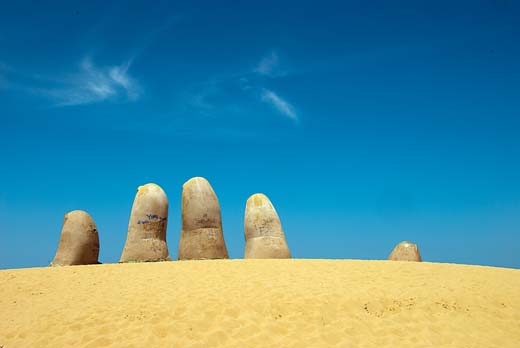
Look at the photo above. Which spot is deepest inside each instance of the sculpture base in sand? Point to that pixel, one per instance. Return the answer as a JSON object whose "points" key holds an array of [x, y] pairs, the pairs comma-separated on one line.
{"points": [[266, 247], [146, 250], [202, 244], [405, 251]]}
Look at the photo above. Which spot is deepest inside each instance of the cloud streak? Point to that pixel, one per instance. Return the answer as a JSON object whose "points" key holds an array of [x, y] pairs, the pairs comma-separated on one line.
{"points": [[267, 65], [93, 84], [89, 84], [241, 92], [281, 105]]}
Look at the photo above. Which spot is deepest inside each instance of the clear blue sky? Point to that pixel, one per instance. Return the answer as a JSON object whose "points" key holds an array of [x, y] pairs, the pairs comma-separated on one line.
{"points": [[365, 122]]}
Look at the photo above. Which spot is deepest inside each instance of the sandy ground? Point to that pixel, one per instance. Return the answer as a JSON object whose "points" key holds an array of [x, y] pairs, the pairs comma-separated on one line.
{"points": [[261, 303]]}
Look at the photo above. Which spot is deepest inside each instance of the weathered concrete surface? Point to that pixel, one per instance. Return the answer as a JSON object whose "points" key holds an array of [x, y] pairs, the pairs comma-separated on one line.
{"points": [[405, 251], [146, 238], [263, 230], [79, 240], [201, 234]]}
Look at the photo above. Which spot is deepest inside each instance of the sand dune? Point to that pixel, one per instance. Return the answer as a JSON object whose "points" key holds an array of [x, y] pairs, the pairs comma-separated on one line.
{"points": [[261, 303]]}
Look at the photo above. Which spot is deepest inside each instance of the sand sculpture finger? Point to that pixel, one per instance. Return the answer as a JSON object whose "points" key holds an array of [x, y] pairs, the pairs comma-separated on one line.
{"points": [[405, 251], [263, 230], [146, 238], [201, 235], [79, 240]]}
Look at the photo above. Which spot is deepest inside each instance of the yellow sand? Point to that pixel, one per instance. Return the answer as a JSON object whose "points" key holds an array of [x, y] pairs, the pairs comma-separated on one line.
{"points": [[261, 303]]}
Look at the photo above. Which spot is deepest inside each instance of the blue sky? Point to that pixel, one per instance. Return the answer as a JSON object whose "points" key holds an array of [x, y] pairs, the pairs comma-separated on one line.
{"points": [[365, 122]]}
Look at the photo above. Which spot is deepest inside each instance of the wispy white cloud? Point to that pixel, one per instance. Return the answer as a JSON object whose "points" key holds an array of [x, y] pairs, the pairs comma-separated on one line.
{"points": [[281, 105], [239, 92], [119, 75], [90, 84], [199, 99], [94, 84], [267, 65]]}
